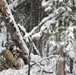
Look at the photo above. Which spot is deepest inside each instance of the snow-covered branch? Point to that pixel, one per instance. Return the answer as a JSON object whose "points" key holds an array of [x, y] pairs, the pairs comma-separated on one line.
{"points": [[29, 38], [51, 19]]}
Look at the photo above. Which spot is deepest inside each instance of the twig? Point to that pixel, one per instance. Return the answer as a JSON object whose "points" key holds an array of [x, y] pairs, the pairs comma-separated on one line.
{"points": [[34, 46], [51, 56], [27, 19]]}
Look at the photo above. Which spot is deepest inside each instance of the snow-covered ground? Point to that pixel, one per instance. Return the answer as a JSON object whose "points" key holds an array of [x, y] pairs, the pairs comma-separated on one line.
{"points": [[47, 67], [22, 71]]}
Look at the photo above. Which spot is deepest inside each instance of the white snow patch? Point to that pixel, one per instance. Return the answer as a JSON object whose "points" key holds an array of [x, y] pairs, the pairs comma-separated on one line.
{"points": [[72, 54], [67, 68], [35, 58], [22, 71], [36, 36]]}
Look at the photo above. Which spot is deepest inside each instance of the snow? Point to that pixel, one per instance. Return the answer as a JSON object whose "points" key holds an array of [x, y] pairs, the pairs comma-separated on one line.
{"points": [[12, 20], [36, 36], [13, 4], [44, 63], [60, 0], [29, 34], [44, 3], [15, 72], [47, 18], [22, 28], [35, 69], [48, 9], [72, 54], [69, 9], [74, 68], [69, 74], [35, 58], [67, 68]]}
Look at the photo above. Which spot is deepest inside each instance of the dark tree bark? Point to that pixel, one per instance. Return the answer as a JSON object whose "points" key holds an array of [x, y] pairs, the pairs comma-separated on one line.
{"points": [[71, 65], [34, 14], [61, 64]]}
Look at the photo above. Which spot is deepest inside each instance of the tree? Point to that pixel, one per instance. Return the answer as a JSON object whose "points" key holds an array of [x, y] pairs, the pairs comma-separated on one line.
{"points": [[12, 27], [56, 32], [57, 29]]}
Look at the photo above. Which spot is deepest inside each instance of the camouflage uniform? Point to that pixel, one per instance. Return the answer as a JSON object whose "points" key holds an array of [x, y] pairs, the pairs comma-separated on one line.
{"points": [[11, 59]]}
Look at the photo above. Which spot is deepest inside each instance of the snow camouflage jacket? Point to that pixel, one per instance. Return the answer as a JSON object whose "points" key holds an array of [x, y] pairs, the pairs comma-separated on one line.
{"points": [[9, 59]]}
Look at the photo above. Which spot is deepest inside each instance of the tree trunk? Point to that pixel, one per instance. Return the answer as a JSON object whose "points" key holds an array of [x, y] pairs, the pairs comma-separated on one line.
{"points": [[12, 27], [71, 65], [61, 64]]}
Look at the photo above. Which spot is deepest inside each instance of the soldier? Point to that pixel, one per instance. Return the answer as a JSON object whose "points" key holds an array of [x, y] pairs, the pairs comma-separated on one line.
{"points": [[11, 56], [3, 64], [11, 59]]}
